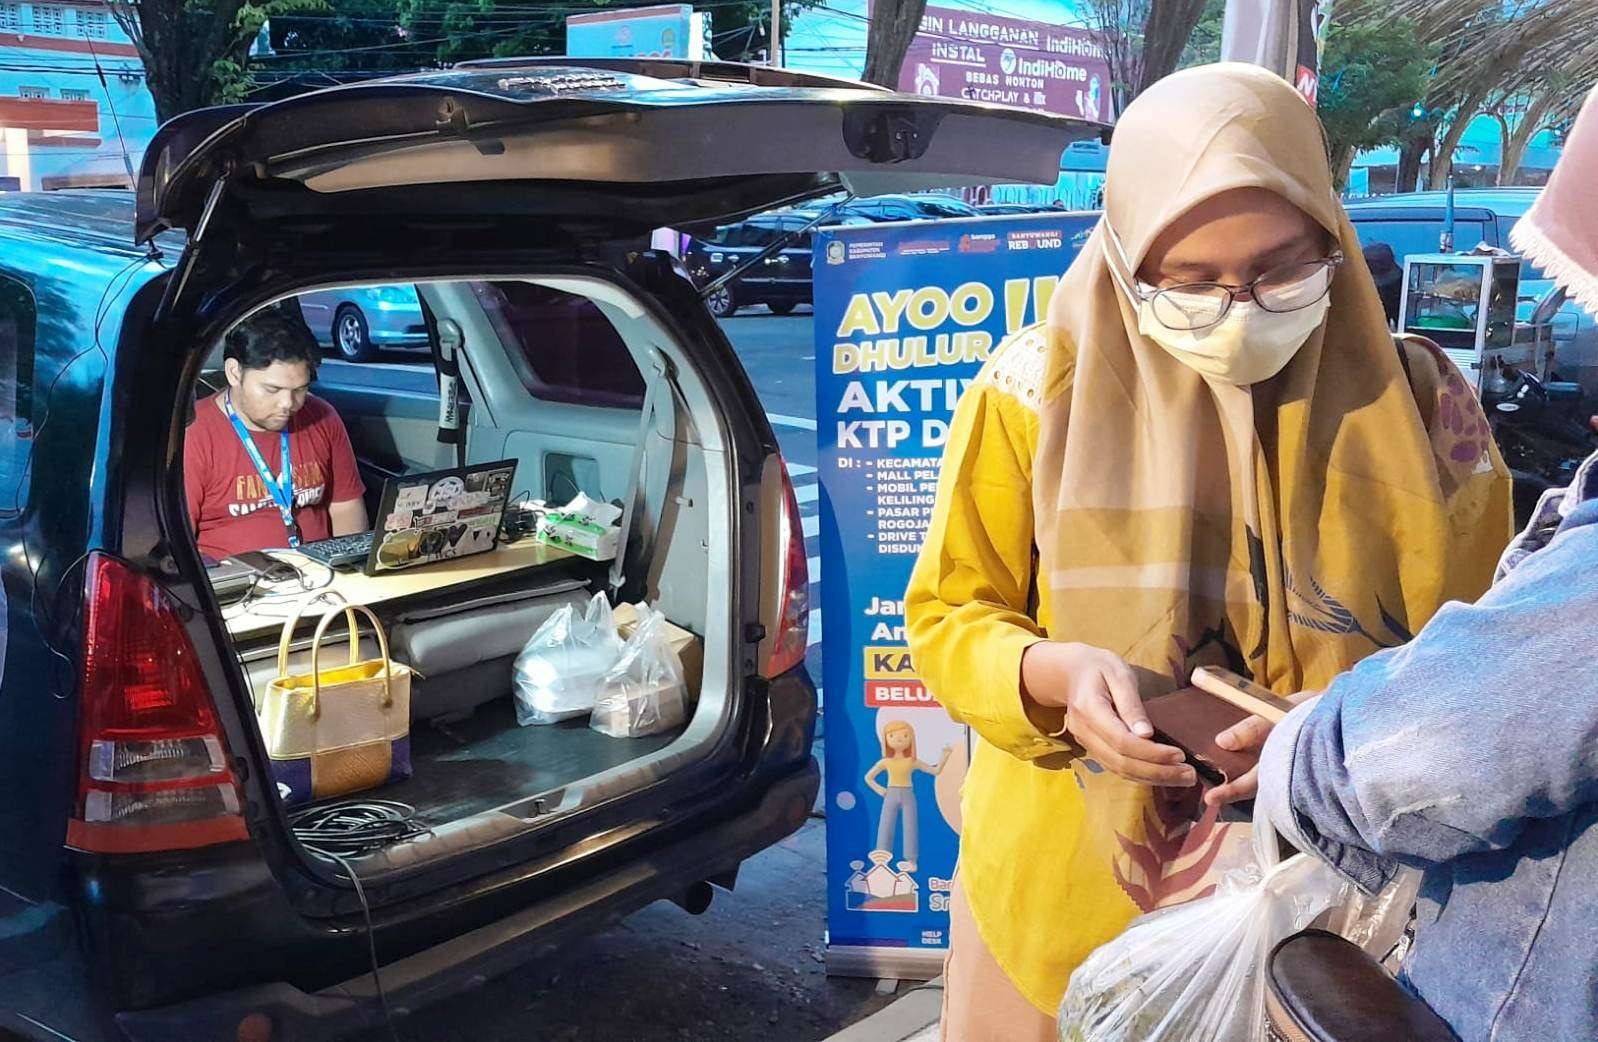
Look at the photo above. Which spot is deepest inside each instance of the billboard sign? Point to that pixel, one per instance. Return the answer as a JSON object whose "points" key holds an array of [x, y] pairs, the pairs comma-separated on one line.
{"points": [[905, 315], [662, 31], [1008, 61]]}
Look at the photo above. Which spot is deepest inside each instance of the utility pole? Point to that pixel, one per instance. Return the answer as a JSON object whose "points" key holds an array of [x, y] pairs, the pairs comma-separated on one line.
{"points": [[777, 34]]}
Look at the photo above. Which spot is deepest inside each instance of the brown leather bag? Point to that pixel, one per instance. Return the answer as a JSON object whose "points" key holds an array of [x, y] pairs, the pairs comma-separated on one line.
{"points": [[1322, 988]]}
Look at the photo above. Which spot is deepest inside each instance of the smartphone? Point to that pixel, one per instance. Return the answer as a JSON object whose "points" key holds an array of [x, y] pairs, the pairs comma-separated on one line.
{"points": [[269, 567], [1242, 693]]}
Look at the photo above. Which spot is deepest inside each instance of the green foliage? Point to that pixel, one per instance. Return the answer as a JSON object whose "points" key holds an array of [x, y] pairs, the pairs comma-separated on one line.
{"points": [[1204, 46], [1370, 80]]}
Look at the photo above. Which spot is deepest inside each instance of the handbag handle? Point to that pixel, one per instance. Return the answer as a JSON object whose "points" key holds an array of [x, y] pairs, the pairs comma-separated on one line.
{"points": [[348, 611]]}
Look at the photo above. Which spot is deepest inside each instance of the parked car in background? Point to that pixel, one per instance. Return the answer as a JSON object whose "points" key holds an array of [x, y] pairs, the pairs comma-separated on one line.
{"points": [[930, 207], [780, 281], [1411, 223], [1012, 209], [359, 322]]}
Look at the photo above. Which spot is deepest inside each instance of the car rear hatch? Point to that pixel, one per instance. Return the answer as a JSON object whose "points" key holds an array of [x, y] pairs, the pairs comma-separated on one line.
{"points": [[684, 144]]}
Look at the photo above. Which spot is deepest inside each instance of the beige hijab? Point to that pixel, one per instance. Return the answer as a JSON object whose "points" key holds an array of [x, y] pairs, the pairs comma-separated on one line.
{"points": [[1289, 529]]}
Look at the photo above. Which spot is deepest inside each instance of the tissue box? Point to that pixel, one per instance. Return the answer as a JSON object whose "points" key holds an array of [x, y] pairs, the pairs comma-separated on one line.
{"points": [[579, 535], [689, 648]]}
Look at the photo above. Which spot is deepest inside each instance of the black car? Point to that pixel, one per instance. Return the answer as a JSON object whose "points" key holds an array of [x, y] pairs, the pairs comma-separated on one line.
{"points": [[153, 883], [780, 280], [929, 206]]}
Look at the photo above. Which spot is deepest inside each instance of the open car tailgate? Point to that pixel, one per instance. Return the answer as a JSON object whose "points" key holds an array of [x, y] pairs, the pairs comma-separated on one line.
{"points": [[590, 143]]}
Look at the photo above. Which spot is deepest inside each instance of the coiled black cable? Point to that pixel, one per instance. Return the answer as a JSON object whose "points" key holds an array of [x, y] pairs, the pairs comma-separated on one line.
{"points": [[339, 832], [354, 828]]}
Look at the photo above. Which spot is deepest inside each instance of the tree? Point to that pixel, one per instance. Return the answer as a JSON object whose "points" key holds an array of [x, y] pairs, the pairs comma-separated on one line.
{"points": [[1143, 40], [195, 51], [1370, 79], [1553, 108], [1486, 50], [893, 26], [1204, 44], [1166, 31]]}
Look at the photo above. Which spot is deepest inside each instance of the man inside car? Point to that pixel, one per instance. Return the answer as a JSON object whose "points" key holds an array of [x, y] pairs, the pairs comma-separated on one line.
{"points": [[266, 464]]}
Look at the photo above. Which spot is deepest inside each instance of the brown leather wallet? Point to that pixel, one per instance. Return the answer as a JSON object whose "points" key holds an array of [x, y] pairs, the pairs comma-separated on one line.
{"points": [[1190, 719]]}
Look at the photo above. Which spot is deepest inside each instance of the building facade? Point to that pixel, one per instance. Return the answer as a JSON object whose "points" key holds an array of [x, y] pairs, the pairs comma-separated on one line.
{"points": [[74, 108]]}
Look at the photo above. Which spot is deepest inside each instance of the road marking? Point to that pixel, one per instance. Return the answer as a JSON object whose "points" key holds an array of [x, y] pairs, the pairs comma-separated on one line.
{"points": [[800, 470], [813, 568], [801, 422], [807, 493], [812, 525], [815, 627]]}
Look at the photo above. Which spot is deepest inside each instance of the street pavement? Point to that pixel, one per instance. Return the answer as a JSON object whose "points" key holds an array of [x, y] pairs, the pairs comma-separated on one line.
{"points": [[750, 968]]}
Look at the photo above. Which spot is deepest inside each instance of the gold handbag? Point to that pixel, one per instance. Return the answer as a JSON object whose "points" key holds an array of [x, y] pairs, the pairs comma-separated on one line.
{"points": [[339, 730]]}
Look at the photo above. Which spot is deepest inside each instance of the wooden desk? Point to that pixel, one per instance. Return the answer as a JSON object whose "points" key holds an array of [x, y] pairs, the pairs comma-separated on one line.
{"points": [[265, 613]]}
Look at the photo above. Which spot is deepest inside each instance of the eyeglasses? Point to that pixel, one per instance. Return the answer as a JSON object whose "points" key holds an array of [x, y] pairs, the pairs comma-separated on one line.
{"points": [[1199, 305]]}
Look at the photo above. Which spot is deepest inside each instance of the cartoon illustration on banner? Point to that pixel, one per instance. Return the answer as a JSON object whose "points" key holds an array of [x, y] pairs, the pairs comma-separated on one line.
{"points": [[905, 317]]}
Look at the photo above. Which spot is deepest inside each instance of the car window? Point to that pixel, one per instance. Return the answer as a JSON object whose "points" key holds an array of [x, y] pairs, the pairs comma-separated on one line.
{"points": [[18, 319], [1528, 270], [760, 235], [1419, 235], [561, 345]]}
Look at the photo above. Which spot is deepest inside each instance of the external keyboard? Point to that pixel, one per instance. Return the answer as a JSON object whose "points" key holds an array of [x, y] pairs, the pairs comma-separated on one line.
{"points": [[340, 550]]}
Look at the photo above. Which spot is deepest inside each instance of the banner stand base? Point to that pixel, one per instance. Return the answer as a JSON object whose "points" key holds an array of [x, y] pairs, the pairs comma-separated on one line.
{"points": [[872, 961]]}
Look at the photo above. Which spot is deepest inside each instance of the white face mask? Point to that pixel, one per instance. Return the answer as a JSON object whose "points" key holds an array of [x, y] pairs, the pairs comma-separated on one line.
{"points": [[1247, 346]]}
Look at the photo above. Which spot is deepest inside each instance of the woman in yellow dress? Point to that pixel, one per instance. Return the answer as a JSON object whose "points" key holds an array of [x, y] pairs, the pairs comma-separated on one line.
{"points": [[1213, 452]]}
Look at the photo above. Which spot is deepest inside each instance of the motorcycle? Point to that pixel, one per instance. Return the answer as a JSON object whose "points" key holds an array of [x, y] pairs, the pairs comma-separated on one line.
{"points": [[1539, 430], [1322, 988]]}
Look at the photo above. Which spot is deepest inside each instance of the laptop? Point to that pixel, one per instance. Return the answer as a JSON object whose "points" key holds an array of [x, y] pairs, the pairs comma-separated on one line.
{"points": [[231, 579], [423, 518]]}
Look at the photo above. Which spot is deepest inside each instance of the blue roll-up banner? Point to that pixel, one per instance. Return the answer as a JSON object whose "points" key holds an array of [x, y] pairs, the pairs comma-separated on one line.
{"points": [[905, 315]]}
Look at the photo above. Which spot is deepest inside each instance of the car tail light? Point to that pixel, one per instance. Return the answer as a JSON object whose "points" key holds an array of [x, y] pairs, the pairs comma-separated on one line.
{"points": [[154, 768], [793, 607]]}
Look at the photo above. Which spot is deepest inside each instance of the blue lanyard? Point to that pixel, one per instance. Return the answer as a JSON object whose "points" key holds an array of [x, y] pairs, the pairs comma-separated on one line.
{"points": [[282, 486]]}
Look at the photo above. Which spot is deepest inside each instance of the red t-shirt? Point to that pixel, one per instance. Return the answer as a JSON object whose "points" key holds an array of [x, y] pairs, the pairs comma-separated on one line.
{"points": [[228, 503]]}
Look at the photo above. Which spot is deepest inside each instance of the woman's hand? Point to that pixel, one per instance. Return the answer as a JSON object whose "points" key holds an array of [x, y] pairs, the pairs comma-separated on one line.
{"points": [[1103, 710]]}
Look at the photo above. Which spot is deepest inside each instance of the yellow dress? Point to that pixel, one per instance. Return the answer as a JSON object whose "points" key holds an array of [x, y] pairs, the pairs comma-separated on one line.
{"points": [[976, 569]]}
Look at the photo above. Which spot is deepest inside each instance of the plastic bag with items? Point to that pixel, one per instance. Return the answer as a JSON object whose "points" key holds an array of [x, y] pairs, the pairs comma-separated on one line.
{"points": [[1196, 972], [644, 692], [561, 670]]}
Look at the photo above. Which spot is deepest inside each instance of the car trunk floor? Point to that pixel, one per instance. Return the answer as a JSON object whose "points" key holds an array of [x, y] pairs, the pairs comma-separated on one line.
{"points": [[488, 760]]}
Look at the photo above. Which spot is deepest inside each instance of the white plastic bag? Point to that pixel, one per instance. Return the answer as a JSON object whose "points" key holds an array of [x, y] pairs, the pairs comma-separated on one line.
{"points": [[561, 670], [644, 692], [1195, 972], [1380, 924]]}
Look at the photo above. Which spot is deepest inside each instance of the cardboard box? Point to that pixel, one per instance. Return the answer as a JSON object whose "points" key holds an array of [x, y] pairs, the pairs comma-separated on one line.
{"points": [[689, 648]]}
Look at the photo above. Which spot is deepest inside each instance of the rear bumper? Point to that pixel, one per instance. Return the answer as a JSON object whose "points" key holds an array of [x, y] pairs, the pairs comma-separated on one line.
{"points": [[472, 958]]}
